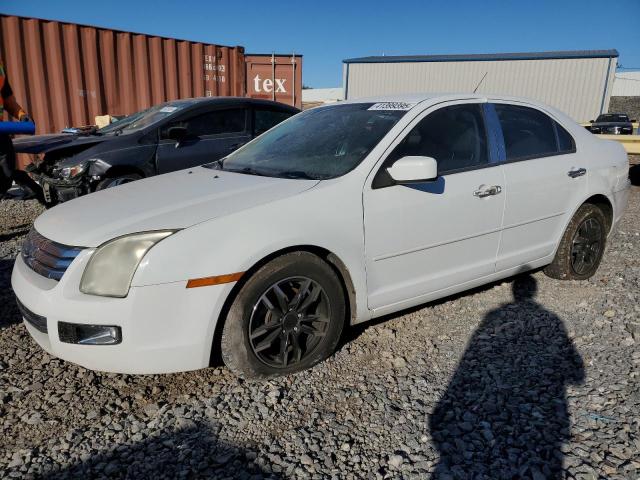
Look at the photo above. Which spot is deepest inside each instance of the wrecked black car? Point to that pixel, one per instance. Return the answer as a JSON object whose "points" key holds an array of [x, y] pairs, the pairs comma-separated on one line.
{"points": [[612, 124], [164, 138]]}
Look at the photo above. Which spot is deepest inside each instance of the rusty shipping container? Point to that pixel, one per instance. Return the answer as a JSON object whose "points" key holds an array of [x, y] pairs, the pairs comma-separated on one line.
{"points": [[66, 74], [275, 77]]}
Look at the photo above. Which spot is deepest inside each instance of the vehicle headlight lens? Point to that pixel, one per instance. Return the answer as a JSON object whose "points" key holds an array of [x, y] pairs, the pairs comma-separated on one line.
{"points": [[74, 170], [111, 267]]}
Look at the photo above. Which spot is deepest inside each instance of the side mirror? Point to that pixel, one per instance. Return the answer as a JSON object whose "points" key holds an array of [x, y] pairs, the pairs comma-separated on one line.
{"points": [[591, 121], [633, 120], [177, 133], [414, 170]]}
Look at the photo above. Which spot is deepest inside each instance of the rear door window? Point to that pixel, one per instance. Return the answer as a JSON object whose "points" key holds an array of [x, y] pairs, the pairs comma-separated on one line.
{"points": [[218, 122], [528, 133], [264, 119]]}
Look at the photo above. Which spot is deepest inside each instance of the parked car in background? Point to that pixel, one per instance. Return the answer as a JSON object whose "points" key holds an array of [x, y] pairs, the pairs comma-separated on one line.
{"points": [[338, 215], [612, 124], [164, 138]]}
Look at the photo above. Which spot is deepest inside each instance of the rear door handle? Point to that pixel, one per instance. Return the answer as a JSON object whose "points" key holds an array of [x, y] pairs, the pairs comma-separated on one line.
{"points": [[484, 191], [577, 172]]}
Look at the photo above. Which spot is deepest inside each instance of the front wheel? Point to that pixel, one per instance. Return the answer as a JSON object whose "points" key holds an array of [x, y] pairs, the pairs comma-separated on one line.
{"points": [[111, 182], [582, 246], [287, 317]]}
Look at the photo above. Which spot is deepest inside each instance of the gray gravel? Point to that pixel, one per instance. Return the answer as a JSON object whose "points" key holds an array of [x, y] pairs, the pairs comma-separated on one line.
{"points": [[481, 385]]}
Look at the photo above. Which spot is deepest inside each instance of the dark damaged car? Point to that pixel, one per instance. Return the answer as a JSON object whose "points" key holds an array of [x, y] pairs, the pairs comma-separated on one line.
{"points": [[164, 138], [612, 124]]}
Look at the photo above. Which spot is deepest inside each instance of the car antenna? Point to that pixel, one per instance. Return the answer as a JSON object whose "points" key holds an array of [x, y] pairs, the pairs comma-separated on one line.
{"points": [[480, 82]]}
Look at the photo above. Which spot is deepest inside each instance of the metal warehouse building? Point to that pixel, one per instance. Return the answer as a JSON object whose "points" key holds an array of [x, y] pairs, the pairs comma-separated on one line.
{"points": [[576, 82]]}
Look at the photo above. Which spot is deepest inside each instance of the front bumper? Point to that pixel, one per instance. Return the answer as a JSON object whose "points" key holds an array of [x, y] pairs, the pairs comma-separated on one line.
{"points": [[611, 130], [165, 328], [57, 190]]}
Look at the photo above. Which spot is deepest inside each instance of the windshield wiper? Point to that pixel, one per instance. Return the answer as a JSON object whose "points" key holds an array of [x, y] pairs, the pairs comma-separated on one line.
{"points": [[296, 174], [216, 164], [248, 171]]}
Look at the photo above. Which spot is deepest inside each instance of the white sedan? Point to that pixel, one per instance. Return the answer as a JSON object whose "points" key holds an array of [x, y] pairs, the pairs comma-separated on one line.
{"points": [[338, 215]]}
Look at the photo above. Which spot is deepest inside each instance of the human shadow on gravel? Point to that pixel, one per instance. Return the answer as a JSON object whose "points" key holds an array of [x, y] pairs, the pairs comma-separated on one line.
{"points": [[192, 452], [504, 414], [9, 313], [634, 174], [5, 237]]}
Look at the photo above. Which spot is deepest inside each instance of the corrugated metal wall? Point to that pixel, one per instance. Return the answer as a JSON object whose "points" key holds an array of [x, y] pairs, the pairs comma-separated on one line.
{"points": [[626, 84], [576, 86], [65, 74]]}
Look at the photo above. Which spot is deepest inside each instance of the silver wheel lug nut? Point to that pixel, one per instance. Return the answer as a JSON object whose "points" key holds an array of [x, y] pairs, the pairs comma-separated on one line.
{"points": [[299, 315]]}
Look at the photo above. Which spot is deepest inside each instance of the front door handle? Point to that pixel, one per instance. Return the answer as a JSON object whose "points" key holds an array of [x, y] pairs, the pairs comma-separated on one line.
{"points": [[484, 191], [577, 172]]}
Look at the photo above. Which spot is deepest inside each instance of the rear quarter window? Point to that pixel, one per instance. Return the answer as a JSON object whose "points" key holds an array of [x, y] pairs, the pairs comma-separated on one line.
{"points": [[566, 144]]}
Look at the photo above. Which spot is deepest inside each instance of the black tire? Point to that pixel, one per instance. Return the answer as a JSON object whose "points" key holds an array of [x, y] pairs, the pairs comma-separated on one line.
{"points": [[116, 180], [239, 350], [567, 263]]}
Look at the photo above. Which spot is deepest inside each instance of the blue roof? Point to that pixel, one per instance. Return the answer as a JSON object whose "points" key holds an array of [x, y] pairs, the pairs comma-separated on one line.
{"points": [[479, 57]]}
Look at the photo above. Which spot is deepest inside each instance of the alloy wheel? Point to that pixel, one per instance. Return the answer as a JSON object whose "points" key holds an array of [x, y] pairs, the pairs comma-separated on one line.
{"points": [[289, 321], [586, 246]]}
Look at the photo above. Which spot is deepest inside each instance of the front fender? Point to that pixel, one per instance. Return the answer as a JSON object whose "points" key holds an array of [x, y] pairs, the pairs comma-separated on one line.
{"points": [[140, 157], [321, 217]]}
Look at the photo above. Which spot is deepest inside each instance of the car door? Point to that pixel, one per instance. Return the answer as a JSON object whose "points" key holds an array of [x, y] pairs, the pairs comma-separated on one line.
{"points": [[545, 179], [427, 237], [211, 135]]}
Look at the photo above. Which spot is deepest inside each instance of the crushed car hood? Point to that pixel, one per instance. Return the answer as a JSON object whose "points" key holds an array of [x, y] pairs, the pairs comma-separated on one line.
{"points": [[47, 143], [175, 200]]}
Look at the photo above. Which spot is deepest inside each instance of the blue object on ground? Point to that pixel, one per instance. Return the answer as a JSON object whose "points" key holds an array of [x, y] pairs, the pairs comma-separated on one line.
{"points": [[15, 128]]}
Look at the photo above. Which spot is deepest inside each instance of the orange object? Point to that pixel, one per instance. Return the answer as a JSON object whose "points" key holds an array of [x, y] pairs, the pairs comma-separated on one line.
{"points": [[217, 280]]}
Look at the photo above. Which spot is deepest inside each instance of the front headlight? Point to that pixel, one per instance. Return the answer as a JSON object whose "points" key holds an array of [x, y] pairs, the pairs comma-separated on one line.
{"points": [[113, 264], [73, 170]]}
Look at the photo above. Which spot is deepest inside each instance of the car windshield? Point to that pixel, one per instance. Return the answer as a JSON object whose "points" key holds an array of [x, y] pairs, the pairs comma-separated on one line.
{"points": [[320, 143], [143, 118], [612, 117]]}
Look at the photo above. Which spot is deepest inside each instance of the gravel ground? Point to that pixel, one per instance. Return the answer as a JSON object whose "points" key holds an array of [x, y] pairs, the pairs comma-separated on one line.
{"points": [[532, 378]]}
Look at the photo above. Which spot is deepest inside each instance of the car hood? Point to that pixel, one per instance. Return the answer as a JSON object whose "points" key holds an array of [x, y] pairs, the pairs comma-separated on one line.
{"points": [[171, 201], [611, 124], [47, 143]]}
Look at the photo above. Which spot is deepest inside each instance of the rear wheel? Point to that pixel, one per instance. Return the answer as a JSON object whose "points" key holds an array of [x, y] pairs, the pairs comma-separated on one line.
{"points": [[287, 317], [582, 246], [110, 182]]}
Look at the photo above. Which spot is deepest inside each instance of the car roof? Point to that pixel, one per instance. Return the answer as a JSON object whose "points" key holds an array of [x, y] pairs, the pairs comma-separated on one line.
{"points": [[428, 99], [437, 97], [202, 101]]}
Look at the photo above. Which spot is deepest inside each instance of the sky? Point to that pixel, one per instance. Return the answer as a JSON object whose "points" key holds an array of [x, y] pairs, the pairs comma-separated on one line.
{"points": [[327, 32]]}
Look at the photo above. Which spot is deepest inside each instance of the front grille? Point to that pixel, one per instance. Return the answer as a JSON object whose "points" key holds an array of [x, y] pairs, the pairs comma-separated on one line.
{"points": [[38, 321], [46, 257]]}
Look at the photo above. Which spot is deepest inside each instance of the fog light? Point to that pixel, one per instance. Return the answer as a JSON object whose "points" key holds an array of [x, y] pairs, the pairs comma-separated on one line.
{"points": [[89, 334]]}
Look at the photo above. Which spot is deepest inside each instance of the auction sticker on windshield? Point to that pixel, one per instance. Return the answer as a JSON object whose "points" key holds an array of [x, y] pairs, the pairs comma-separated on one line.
{"points": [[391, 106]]}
